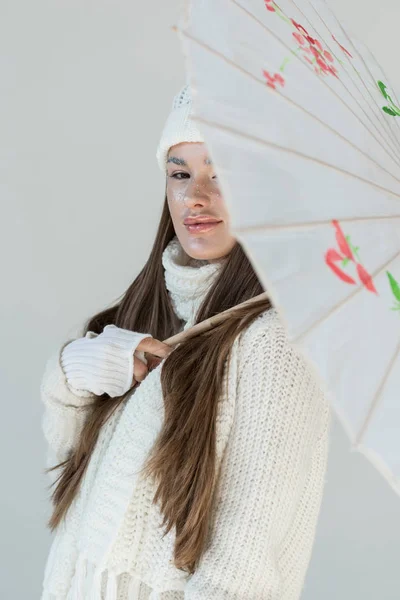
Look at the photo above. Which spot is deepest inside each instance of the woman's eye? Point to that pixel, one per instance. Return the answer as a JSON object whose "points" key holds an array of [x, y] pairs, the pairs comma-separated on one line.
{"points": [[180, 176]]}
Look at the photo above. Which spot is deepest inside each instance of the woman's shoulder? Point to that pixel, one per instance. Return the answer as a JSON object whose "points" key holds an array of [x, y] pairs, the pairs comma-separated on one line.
{"points": [[266, 341], [264, 329], [270, 361]]}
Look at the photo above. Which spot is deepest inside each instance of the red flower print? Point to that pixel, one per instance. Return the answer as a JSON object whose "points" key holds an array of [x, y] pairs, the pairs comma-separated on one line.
{"points": [[322, 64], [334, 71], [347, 254], [300, 28], [299, 38], [315, 47], [318, 44], [309, 48], [366, 279], [269, 4], [272, 80], [331, 258], [312, 41], [279, 79], [342, 242], [342, 47]]}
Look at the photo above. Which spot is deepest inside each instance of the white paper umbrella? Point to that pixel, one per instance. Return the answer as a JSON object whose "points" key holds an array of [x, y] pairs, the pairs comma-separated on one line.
{"points": [[304, 130]]}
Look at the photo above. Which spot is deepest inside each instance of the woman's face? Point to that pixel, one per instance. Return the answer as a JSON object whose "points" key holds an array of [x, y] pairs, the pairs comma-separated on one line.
{"points": [[197, 208]]}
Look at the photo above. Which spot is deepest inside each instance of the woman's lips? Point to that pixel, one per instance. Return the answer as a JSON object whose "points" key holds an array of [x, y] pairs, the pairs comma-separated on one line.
{"points": [[202, 227]]}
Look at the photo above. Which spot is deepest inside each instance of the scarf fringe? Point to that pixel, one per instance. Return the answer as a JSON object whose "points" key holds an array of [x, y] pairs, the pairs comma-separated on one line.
{"points": [[77, 589], [134, 588], [95, 588], [81, 584], [112, 587], [87, 584]]}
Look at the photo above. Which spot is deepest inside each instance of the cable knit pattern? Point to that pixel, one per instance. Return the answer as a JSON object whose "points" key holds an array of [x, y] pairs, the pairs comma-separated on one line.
{"points": [[272, 443]]}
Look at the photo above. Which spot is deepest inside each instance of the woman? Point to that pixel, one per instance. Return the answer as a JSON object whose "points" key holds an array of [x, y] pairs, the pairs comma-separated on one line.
{"points": [[195, 473]]}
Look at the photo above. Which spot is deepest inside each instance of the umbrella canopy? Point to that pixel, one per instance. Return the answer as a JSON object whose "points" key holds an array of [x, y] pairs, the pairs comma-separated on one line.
{"points": [[304, 130]]}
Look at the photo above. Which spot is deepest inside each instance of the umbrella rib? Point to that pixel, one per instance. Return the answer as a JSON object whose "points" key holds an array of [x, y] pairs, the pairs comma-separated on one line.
{"points": [[383, 121], [291, 151], [325, 125], [378, 396], [386, 122], [305, 225], [340, 304], [377, 139]]}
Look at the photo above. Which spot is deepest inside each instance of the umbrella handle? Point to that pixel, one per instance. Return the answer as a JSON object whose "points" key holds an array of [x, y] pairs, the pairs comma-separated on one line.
{"points": [[209, 323]]}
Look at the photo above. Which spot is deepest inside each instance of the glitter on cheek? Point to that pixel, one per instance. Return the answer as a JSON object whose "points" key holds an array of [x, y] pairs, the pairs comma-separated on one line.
{"points": [[181, 192], [178, 193]]}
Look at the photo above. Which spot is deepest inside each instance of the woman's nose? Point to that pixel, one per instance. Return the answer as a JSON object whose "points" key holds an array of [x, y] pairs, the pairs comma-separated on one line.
{"points": [[198, 193]]}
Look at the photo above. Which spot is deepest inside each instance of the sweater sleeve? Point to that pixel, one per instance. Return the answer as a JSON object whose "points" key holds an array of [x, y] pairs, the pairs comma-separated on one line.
{"points": [[102, 363], [64, 411], [83, 369], [271, 479]]}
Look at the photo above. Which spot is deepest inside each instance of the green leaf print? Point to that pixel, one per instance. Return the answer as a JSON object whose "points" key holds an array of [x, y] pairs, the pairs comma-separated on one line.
{"points": [[383, 88], [394, 285], [392, 110]]}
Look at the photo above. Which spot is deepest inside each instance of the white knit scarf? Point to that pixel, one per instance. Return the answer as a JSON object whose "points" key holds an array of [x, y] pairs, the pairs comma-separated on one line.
{"points": [[113, 473], [187, 280]]}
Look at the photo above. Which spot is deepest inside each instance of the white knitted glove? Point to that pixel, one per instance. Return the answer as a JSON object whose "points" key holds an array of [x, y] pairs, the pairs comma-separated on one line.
{"points": [[102, 363]]}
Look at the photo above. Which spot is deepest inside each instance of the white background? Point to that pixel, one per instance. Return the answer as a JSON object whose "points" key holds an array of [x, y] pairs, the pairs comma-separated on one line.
{"points": [[85, 88]]}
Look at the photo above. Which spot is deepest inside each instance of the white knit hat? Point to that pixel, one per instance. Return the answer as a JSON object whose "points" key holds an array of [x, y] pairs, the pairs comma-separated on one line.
{"points": [[178, 127]]}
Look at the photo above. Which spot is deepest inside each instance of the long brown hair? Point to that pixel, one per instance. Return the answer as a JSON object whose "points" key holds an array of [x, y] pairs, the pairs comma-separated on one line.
{"points": [[182, 460]]}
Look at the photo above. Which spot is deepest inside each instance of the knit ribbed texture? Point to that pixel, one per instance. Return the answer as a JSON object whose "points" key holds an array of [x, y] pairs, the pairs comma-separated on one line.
{"points": [[272, 444], [187, 279], [102, 363], [179, 126]]}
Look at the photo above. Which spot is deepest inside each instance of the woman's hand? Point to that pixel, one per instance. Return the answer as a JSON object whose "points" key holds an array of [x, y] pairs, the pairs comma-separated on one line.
{"points": [[111, 362], [155, 350]]}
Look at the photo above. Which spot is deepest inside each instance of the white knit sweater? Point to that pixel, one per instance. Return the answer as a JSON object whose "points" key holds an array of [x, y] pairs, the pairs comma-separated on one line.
{"points": [[272, 443]]}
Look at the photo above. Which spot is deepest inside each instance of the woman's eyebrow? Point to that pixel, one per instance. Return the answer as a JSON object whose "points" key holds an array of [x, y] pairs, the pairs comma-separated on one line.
{"points": [[177, 161], [182, 163]]}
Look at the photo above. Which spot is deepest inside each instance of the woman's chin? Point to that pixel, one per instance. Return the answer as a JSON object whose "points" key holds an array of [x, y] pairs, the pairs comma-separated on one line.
{"points": [[206, 248]]}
